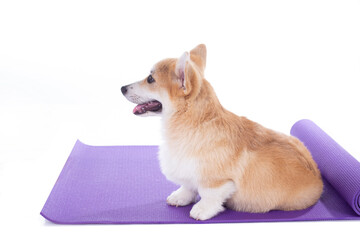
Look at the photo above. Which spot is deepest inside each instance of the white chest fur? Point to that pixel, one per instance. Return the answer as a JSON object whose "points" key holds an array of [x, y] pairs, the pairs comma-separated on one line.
{"points": [[177, 166]]}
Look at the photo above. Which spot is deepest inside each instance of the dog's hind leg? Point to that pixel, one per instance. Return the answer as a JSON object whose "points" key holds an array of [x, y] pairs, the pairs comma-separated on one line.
{"points": [[212, 200]]}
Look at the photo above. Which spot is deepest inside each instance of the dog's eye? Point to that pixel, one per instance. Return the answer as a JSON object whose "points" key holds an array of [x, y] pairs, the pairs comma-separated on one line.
{"points": [[150, 79]]}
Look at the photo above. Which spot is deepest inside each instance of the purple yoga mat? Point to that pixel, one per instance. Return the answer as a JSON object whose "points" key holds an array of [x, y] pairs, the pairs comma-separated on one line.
{"points": [[123, 184]]}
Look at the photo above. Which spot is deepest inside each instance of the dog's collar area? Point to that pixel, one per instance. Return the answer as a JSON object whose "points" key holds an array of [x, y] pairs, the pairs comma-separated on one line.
{"points": [[153, 106]]}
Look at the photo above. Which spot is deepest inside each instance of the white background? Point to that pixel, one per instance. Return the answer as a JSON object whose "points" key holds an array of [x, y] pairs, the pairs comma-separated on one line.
{"points": [[62, 64]]}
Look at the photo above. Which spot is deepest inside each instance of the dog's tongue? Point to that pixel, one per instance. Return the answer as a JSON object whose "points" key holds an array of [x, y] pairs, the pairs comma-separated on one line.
{"points": [[149, 106]]}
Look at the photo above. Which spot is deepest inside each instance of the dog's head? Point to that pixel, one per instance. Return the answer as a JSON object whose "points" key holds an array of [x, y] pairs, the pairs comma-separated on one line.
{"points": [[171, 83]]}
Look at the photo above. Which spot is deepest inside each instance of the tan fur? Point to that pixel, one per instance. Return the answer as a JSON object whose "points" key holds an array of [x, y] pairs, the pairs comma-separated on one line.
{"points": [[270, 170]]}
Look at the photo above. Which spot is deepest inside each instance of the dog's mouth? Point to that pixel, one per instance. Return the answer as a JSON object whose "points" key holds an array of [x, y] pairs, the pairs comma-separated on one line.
{"points": [[152, 106]]}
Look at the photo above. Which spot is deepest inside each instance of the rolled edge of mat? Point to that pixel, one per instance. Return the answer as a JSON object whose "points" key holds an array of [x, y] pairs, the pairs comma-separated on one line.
{"points": [[339, 168], [357, 203], [46, 210]]}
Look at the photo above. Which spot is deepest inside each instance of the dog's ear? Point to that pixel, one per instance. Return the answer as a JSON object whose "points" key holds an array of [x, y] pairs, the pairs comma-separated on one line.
{"points": [[198, 56], [181, 71]]}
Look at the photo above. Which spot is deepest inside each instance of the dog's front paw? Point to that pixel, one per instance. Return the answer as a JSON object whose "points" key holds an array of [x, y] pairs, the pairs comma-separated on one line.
{"points": [[181, 197], [204, 211]]}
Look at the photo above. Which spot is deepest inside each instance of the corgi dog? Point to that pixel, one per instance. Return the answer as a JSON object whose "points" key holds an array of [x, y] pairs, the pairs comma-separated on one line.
{"points": [[229, 161]]}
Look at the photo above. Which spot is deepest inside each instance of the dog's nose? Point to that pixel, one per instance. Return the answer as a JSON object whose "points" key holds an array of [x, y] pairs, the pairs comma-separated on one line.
{"points": [[124, 89]]}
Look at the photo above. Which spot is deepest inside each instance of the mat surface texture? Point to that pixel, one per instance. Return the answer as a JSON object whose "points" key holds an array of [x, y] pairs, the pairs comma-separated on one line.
{"points": [[123, 184]]}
